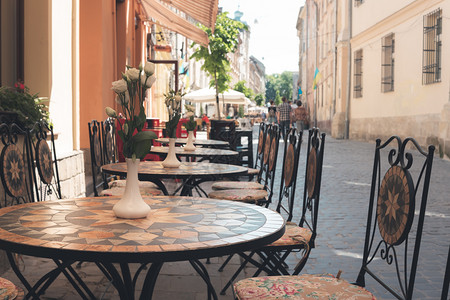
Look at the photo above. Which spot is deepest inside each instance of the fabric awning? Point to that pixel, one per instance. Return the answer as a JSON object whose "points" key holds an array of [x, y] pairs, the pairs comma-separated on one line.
{"points": [[204, 11], [154, 9]]}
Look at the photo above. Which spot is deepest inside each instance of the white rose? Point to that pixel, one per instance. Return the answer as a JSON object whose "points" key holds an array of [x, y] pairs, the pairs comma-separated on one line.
{"points": [[127, 98], [149, 68], [119, 86], [132, 74], [177, 98], [189, 114], [150, 81]]}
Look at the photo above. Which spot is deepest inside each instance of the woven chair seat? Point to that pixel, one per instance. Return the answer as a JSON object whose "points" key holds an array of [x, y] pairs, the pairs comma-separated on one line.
{"points": [[123, 183], [236, 185], [9, 290], [299, 287], [118, 191], [293, 235], [249, 196]]}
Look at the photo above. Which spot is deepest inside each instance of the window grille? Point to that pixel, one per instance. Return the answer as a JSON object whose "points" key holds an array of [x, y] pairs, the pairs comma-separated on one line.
{"points": [[432, 47], [357, 90], [358, 2], [387, 63]]}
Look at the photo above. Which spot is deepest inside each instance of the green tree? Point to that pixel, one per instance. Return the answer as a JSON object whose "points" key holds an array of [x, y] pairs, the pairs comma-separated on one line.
{"points": [[241, 87], [222, 41], [259, 99], [278, 86]]}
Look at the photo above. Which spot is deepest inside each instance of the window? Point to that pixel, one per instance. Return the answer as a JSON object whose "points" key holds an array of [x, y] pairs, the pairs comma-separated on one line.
{"points": [[432, 47], [358, 2], [357, 89], [387, 63]]}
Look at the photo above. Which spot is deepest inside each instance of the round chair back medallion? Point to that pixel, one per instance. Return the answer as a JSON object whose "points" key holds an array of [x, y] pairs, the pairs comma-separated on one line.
{"points": [[97, 151], [395, 205], [260, 141], [267, 150], [44, 161], [109, 147], [289, 166], [12, 171], [312, 169], [272, 154]]}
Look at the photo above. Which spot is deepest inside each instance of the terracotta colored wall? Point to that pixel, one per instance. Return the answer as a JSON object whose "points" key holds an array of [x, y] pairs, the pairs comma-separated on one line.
{"points": [[96, 62]]}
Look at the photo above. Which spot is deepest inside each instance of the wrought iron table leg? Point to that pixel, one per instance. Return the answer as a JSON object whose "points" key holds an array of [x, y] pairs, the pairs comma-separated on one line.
{"points": [[201, 270]]}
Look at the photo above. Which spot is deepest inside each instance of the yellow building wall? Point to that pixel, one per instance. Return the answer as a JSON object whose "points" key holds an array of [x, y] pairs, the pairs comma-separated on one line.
{"points": [[410, 97]]}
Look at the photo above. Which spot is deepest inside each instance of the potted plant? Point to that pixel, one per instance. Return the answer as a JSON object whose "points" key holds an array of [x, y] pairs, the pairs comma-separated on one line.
{"points": [[18, 105]]}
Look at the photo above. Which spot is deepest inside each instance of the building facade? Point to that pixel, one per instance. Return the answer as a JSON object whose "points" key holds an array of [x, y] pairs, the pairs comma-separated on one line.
{"points": [[400, 81], [323, 28], [383, 72]]}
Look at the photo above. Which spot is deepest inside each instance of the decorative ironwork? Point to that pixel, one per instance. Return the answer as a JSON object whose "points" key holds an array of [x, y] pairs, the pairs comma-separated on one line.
{"points": [[395, 208], [44, 161], [312, 167], [432, 47], [15, 170], [387, 63], [394, 201], [358, 73]]}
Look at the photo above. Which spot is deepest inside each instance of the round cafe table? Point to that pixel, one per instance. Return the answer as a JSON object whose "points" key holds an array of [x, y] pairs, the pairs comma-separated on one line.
{"points": [[209, 154], [176, 229], [197, 142], [192, 173]]}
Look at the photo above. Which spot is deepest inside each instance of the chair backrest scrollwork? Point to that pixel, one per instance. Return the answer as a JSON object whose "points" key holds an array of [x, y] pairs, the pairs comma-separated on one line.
{"points": [[44, 161], [97, 154], [15, 166], [313, 181], [288, 181], [397, 203], [266, 175]]}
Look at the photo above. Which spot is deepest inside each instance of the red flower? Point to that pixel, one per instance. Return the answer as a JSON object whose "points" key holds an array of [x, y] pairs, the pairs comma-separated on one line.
{"points": [[19, 85]]}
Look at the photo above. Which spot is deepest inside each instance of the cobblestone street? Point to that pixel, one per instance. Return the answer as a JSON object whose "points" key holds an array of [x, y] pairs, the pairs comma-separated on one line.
{"points": [[347, 172]]}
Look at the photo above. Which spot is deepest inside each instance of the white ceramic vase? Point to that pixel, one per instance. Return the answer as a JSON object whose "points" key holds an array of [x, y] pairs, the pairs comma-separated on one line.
{"points": [[131, 205], [171, 160], [190, 142]]}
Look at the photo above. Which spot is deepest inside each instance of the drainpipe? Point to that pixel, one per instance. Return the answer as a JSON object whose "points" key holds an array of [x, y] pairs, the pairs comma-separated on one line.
{"points": [[317, 63], [306, 54], [349, 69], [334, 59]]}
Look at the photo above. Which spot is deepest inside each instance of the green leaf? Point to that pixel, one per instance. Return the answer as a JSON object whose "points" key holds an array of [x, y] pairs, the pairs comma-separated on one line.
{"points": [[142, 148], [121, 135], [143, 136]]}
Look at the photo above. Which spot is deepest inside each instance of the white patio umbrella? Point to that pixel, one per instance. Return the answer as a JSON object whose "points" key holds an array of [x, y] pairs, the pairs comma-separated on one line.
{"points": [[208, 95]]}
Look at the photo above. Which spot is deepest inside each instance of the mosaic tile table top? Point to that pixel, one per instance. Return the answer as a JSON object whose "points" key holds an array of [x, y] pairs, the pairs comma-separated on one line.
{"points": [[197, 152], [187, 169], [177, 228], [207, 143]]}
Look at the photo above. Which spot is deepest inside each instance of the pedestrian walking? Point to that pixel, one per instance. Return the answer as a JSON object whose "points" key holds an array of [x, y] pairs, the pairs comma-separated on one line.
{"points": [[272, 113], [300, 115], [284, 117]]}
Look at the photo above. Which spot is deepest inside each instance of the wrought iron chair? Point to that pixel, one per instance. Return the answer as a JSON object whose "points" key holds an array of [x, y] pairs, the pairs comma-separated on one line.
{"points": [[266, 178], [395, 195], [103, 151], [262, 146], [45, 161], [444, 295], [298, 237], [97, 156], [15, 166]]}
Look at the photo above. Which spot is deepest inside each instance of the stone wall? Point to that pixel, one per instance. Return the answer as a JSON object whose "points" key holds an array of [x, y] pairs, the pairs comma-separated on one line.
{"points": [[424, 128], [71, 174]]}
